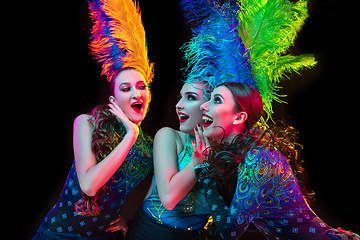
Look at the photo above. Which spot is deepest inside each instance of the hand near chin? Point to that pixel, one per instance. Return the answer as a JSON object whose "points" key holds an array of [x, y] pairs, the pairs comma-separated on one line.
{"points": [[130, 127], [201, 149]]}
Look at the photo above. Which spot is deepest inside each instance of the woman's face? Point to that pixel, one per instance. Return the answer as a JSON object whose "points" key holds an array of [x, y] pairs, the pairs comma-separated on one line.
{"points": [[132, 94], [220, 111], [188, 108]]}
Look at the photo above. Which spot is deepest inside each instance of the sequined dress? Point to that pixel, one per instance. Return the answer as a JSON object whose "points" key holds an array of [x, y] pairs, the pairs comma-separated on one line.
{"points": [[62, 222], [269, 196]]}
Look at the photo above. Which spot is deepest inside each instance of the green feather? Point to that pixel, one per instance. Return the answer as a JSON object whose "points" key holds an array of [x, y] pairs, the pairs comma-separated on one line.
{"points": [[268, 28]]}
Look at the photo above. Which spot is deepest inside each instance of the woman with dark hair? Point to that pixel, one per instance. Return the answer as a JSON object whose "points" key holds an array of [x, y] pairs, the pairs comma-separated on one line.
{"points": [[255, 176], [112, 153]]}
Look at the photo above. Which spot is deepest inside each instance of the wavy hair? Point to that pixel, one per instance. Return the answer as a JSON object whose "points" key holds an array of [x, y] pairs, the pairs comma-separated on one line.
{"points": [[105, 138], [224, 165]]}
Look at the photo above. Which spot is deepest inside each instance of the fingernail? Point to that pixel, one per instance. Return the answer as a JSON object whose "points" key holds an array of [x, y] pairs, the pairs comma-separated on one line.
{"points": [[198, 125]]}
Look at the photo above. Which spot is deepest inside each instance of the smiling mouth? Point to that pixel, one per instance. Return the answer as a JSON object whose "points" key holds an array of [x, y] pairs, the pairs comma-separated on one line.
{"points": [[137, 106], [208, 121], [183, 118]]}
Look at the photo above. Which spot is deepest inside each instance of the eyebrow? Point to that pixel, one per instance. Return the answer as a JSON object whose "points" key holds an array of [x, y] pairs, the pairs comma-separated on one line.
{"points": [[127, 83], [218, 95], [188, 93]]}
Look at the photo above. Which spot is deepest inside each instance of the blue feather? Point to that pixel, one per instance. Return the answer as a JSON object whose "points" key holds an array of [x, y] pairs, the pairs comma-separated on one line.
{"points": [[216, 53], [112, 54], [118, 37]]}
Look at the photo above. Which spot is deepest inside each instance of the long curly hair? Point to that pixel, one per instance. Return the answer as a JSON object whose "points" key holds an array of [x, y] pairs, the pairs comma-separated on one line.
{"points": [[105, 138], [227, 157], [224, 164]]}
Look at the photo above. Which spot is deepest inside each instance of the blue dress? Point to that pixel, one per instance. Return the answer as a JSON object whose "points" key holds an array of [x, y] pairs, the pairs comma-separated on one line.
{"points": [[154, 221], [62, 222], [269, 196]]}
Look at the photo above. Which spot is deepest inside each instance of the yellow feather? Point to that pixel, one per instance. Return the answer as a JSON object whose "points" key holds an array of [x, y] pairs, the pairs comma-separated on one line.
{"points": [[127, 32]]}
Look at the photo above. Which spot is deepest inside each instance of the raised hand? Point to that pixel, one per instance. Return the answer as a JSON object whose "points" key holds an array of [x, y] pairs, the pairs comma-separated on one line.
{"points": [[201, 148], [130, 127]]}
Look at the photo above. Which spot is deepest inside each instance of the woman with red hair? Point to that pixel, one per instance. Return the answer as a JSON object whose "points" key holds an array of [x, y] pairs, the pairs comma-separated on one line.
{"points": [[254, 176]]}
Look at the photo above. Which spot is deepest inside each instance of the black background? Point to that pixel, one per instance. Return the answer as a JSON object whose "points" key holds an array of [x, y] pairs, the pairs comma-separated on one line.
{"points": [[53, 79]]}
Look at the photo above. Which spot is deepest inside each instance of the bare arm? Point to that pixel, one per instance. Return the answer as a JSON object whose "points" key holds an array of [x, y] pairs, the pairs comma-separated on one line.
{"points": [[93, 176], [172, 184]]}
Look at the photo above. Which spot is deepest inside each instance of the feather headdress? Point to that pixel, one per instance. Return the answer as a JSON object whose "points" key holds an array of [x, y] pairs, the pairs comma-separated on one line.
{"points": [[247, 41], [216, 53], [118, 38], [268, 28]]}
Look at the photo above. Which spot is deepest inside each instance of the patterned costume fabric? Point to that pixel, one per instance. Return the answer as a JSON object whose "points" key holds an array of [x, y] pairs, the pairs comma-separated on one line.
{"points": [[191, 213], [62, 222], [269, 196]]}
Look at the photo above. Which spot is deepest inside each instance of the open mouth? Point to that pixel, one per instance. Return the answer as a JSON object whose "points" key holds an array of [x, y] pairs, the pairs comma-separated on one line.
{"points": [[183, 117], [137, 106], [208, 121]]}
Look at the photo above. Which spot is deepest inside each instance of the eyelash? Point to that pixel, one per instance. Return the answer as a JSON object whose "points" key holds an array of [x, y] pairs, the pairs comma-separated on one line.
{"points": [[217, 100], [189, 97], [140, 87]]}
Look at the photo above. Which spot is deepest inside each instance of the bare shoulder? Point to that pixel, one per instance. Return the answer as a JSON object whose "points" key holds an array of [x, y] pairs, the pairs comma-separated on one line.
{"points": [[168, 137], [82, 118], [82, 126], [169, 134], [82, 121]]}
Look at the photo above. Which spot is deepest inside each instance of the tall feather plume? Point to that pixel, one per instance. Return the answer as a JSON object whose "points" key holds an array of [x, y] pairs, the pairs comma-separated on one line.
{"points": [[268, 28], [118, 37], [245, 41], [216, 53]]}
